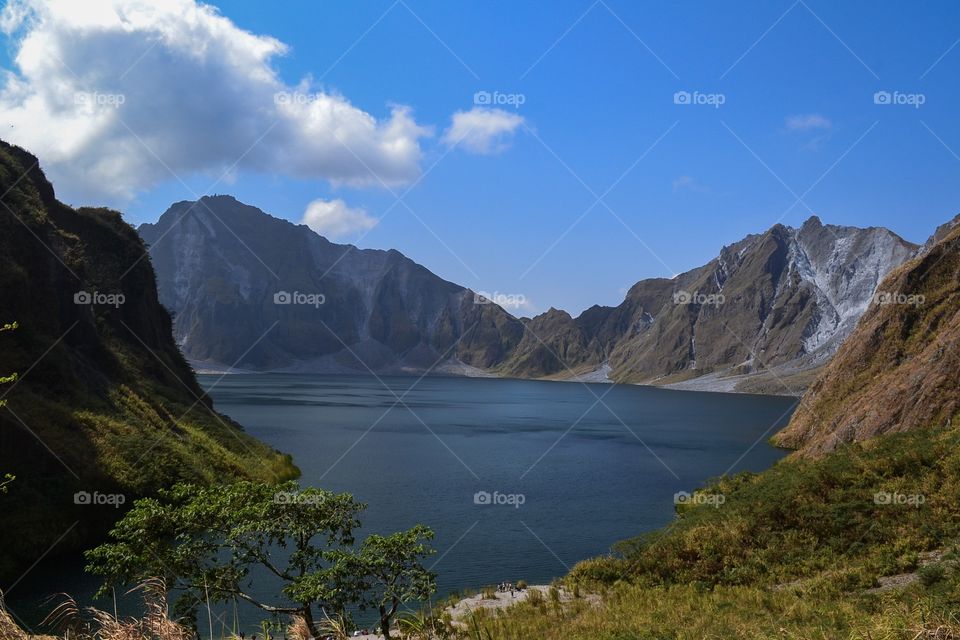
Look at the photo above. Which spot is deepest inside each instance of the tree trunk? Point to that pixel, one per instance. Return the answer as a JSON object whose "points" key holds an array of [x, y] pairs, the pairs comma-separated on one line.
{"points": [[307, 614], [384, 623]]}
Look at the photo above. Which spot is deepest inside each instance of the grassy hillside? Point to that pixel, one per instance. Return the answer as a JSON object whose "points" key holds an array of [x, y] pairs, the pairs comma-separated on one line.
{"points": [[800, 551], [860, 540], [104, 401], [900, 369]]}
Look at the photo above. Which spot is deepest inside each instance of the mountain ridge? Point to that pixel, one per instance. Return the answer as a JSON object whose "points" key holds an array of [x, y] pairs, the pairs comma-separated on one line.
{"points": [[380, 311], [794, 294], [898, 371]]}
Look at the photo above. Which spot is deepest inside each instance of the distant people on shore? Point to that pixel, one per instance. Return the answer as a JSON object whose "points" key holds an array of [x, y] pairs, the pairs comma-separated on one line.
{"points": [[505, 587]]}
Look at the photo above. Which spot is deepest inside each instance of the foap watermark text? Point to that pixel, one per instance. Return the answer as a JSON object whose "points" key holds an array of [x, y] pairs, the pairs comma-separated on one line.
{"points": [[711, 499], [498, 99], [702, 299], [97, 499], [715, 100], [99, 298], [300, 298], [496, 498]]}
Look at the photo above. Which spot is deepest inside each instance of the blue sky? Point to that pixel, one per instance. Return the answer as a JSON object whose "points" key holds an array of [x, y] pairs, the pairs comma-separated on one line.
{"points": [[798, 121]]}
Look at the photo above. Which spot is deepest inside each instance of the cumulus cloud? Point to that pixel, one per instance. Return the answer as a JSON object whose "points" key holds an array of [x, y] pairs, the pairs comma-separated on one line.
{"points": [[808, 122], [334, 219], [481, 130], [115, 96]]}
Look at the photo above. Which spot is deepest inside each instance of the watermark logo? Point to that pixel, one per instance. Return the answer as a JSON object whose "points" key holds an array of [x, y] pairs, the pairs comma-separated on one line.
{"points": [[283, 98], [298, 297], [292, 497], [915, 500], [97, 99], [514, 500], [99, 298], [498, 99], [115, 500], [711, 499], [702, 299], [914, 100], [882, 298], [714, 100], [506, 300]]}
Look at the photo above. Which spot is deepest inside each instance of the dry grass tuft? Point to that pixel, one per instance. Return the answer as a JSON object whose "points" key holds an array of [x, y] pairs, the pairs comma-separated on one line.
{"points": [[298, 629]]}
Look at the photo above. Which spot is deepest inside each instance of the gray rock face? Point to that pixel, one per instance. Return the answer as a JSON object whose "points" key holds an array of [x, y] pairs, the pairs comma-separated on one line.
{"points": [[783, 300], [251, 291]]}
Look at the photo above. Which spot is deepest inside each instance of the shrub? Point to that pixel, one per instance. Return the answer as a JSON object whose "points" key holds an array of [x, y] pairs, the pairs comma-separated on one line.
{"points": [[931, 574], [605, 569], [555, 595]]}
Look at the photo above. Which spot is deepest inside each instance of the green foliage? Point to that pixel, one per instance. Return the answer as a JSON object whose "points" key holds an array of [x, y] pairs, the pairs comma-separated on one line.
{"points": [[109, 394], [871, 505], [205, 541], [931, 574], [794, 552], [388, 571]]}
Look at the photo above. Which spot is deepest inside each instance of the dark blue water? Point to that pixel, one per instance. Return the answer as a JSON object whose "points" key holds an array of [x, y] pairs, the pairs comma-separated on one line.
{"points": [[592, 464], [591, 471]]}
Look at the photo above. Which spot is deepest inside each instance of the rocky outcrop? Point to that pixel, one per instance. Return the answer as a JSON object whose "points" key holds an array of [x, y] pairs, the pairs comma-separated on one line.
{"points": [[776, 304], [255, 292], [780, 301], [104, 403], [900, 368]]}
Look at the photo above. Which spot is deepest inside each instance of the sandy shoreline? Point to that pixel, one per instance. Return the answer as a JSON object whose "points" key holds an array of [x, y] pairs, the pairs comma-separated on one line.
{"points": [[460, 612]]}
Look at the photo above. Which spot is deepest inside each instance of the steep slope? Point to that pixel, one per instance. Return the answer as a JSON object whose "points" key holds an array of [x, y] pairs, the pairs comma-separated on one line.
{"points": [[900, 369], [235, 279], [781, 300], [765, 314], [104, 403]]}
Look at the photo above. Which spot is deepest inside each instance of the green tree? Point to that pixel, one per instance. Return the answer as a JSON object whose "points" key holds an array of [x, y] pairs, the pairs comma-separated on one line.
{"points": [[206, 541], [393, 573]]}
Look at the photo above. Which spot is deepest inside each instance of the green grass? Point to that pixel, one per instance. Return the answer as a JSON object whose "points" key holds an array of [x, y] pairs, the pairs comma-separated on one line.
{"points": [[105, 402], [792, 553]]}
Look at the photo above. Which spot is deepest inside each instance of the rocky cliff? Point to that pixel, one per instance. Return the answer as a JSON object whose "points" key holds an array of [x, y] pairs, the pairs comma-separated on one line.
{"points": [[900, 368], [765, 312], [104, 408], [252, 291], [776, 303]]}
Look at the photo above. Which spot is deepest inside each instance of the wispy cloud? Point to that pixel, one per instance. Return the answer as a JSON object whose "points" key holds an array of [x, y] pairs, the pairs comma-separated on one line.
{"points": [[688, 183], [808, 122], [481, 130]]}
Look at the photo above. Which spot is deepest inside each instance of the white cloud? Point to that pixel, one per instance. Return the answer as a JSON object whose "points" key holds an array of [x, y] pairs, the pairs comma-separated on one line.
{"points": [[334, 219], [808, 122], [481, 130], [114, 95]]}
